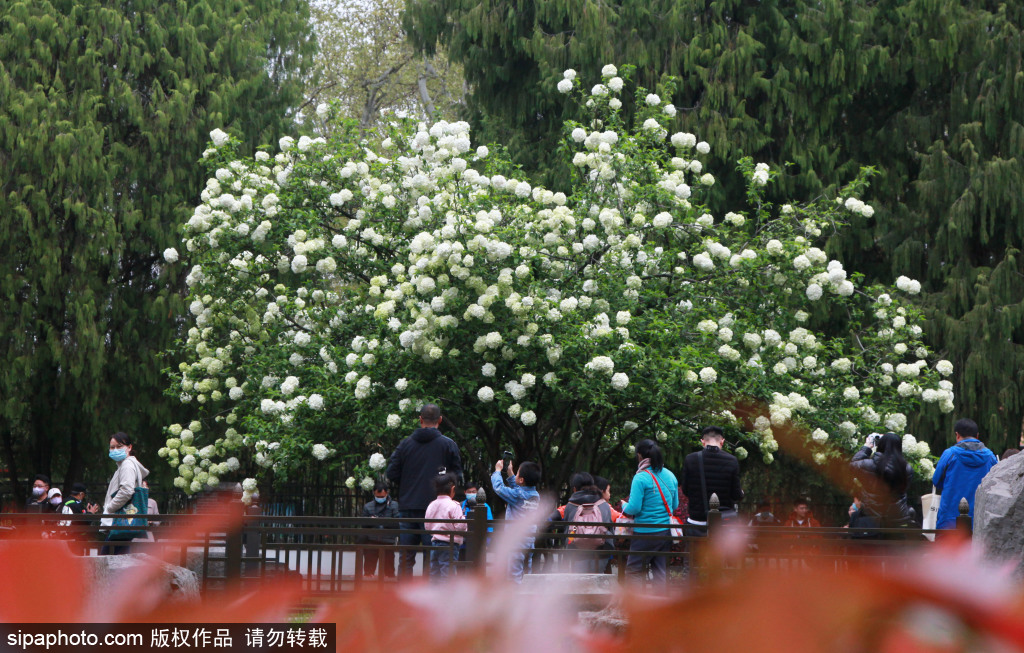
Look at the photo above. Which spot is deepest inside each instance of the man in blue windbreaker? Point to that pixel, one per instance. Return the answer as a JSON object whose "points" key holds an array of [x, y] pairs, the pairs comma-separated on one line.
{"points": [[959, 472]]}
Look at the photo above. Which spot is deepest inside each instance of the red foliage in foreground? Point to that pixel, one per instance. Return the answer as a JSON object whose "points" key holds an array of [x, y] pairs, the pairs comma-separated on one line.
{"points": [[946, 600]]}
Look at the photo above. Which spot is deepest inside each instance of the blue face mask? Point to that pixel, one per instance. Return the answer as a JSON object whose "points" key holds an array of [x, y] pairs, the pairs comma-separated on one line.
{"points": [[380, 499], [117, 455]]}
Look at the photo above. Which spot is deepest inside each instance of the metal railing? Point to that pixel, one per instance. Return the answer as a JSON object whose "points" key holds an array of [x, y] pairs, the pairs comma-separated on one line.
{"points": [[328, 553]]}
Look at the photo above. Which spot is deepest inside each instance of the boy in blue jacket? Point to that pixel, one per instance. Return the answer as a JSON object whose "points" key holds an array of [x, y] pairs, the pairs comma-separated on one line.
{"points": [[959, 472], [519, 491]]}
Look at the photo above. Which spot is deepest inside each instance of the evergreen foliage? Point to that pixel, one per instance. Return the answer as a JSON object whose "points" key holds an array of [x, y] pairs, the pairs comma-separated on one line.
{"points": [[104, 109], [928, 91]]}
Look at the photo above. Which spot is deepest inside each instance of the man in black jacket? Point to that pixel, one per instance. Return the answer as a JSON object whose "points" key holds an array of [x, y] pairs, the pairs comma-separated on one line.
{"points": [[721, 477], [413, 467]]}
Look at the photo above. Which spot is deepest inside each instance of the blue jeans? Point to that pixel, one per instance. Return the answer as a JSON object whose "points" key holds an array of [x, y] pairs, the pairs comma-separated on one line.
{"points": [[659, 564], [521, 561], [408, 558], [441, 558]]}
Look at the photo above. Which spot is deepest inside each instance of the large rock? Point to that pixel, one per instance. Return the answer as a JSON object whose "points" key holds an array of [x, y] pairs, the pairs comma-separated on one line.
{"points": [[999, 513], [102, 571]]}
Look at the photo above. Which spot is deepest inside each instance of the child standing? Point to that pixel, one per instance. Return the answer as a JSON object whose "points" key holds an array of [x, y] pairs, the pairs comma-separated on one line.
{"points": [[443, 534], [519, 491]]}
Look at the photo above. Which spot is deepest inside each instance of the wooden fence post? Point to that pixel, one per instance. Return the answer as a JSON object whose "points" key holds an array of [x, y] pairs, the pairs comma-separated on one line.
{"points": [[476, 540], [963, 520], [233, 553]]}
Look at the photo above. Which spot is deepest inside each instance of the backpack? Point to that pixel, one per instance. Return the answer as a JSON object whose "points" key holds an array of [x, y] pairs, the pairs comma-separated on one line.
{"points": [[590, 514]]}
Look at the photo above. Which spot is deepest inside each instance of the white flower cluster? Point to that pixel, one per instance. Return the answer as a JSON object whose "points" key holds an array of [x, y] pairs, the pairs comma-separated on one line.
{"points": [[330, 281]]}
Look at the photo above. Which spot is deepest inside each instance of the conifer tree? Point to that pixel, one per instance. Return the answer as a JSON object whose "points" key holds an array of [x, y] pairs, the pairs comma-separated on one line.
{"points": [[927, 92], [104, 109]]}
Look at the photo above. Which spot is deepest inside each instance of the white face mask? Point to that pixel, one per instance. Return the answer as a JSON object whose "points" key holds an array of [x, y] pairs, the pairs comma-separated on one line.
{"points": [[56, 501]]}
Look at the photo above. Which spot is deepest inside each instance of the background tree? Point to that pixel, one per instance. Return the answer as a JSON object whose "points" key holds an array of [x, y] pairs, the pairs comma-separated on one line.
{"points": [[367, 65], [334, 287], [104, 109], [927, 92]]}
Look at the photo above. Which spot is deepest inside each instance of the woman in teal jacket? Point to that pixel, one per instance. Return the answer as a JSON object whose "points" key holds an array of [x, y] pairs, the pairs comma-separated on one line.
{"points": [[653, 496]]}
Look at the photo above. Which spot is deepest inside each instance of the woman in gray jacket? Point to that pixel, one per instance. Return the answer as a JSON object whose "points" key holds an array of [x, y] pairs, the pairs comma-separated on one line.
{"points": [[129, 475]]}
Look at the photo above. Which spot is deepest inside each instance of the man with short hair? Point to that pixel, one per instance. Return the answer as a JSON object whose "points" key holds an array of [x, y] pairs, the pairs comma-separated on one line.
{"points": [[801, 516], [721, 476], [959, 472], [382, 507], [413, 466], [39, 501]]}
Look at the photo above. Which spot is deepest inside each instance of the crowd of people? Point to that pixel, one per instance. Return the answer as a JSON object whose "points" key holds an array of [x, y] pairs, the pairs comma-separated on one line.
{"points": [[124, 486], [426, 468]]}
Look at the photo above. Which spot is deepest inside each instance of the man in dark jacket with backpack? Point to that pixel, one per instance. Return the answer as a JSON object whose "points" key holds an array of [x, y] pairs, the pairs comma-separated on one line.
{"points": [[706, 472], [414, 465]]}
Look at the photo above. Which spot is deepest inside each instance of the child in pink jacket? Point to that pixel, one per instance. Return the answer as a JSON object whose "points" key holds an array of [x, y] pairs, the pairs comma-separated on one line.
{"points": [[443, 539]]}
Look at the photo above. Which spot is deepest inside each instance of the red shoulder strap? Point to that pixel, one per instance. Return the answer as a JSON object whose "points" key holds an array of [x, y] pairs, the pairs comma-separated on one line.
{"points": [[658, 485]]}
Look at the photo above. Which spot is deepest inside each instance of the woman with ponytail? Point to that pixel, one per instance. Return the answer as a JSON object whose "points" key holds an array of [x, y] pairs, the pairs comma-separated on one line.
{"points": [[885, 476], [653, 496]]}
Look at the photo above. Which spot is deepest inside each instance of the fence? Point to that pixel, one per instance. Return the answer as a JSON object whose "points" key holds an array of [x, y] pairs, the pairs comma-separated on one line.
{"points": [[328, 553]]}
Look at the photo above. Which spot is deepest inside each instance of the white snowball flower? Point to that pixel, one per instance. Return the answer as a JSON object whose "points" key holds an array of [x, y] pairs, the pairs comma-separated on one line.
{"points": [[219, 137], [819, 436], [814, 292], [703, 261], [609, 70], [249, 485], [367, 484], [564, 86], [350, 482], [601, 364], [394, 421], [321, 109], [320, 452], [289, 385], [529, 418], [615, 84], [485, 394], [377, 462], [652, 99], [569, 74], [620, 381], [703, 147], [171, 255], [315, 401], [708, 375], [944, 367]]}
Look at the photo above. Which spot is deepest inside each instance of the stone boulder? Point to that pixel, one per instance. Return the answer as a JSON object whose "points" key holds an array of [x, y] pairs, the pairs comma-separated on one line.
{"points": [[102, 571], [999, 513]]}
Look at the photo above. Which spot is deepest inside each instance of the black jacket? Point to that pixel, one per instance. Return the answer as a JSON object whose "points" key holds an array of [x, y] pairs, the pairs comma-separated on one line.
{"points": [[414, 464], [722, 472], [386, 510], [878, 500]]}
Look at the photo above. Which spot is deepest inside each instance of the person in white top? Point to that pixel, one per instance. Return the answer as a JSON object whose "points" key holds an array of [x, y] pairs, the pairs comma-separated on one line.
{"points": [[129, 475]]}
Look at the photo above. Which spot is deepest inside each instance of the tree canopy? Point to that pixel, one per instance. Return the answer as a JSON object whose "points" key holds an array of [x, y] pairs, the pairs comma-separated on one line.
{"points": [[335, 289], [929, 93], [105, 108]]}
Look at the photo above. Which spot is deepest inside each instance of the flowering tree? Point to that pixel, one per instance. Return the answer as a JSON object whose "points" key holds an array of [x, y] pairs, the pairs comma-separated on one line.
{"points": [[335, 289]]}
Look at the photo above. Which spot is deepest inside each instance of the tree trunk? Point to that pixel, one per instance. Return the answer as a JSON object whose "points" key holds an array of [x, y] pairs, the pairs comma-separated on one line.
{"points": [[12, 465], [425, 99]]}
